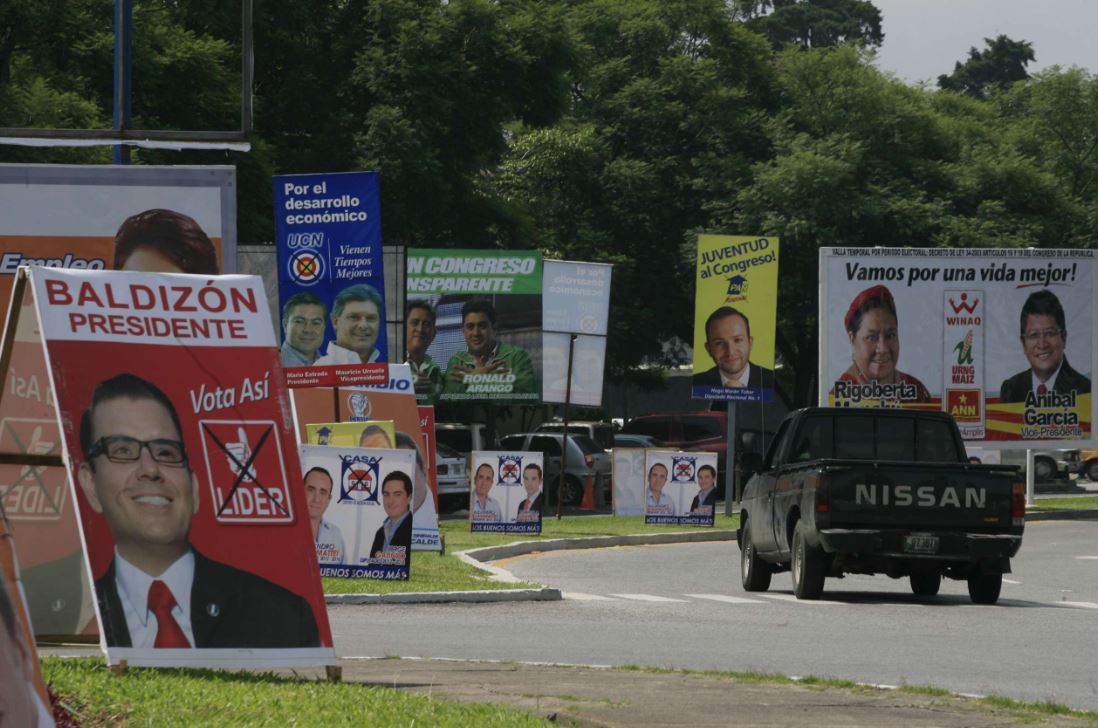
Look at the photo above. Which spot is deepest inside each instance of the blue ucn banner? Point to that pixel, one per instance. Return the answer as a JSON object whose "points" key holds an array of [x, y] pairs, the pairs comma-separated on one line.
{"points": [[331, 283]]}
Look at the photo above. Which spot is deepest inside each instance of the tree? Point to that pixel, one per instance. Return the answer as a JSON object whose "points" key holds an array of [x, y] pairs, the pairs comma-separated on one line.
{"points": [[814, 23], [1002, 63]]}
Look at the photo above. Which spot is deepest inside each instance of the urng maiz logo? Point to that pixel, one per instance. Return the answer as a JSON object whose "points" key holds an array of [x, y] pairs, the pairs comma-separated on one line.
{"points": [[358, 484], [682, 469], [510, 469], [306, 267]]}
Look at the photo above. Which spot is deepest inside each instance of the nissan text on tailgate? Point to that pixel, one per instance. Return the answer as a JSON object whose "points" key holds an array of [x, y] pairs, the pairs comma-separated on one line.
{"points": [[861, 491]]}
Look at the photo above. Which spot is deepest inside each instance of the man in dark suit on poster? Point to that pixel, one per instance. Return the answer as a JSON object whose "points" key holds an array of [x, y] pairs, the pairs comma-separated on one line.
{"points": [[530, 507], [707, 495], [728, 342], [159, 591], [1044, 338], [393, 541]]}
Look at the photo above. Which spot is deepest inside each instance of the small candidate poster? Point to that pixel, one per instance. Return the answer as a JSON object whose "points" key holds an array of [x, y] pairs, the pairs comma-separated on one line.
{"points": [[575, 303], [473, 325], [680, 487], [629, 481], [735, 318], [507, 491], [361, 407], [360, 509], [23, 695], [330, 278], [1002, 339], [184, 466]]}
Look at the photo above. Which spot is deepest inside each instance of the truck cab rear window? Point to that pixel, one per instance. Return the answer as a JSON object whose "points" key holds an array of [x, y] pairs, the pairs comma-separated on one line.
{"points": [[867, 437]]}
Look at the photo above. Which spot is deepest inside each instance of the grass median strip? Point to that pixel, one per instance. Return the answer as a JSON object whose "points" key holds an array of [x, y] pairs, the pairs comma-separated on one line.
{"points": [[1068, 503], [434, 572], [186, 697]]}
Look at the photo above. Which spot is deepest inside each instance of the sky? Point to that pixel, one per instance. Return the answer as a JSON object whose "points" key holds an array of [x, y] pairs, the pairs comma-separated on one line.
{"points": [[924, 38]]}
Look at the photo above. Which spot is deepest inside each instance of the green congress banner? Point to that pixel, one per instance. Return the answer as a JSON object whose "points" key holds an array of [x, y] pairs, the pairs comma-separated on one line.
{"points": [[473, 325]]}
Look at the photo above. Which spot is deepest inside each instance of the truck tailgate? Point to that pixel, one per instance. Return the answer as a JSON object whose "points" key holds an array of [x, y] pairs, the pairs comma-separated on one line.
{"points": [[918, 495]]}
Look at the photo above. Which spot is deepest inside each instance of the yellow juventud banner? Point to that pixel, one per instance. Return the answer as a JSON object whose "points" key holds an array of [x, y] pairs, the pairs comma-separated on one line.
{"points": [[372, 434], [735, 318]]}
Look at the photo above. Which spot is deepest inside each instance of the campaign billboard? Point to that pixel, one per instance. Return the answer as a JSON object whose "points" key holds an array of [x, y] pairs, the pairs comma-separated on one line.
{"points": [[35, 498], [680, 487], [331, 282], [735, 318], [506, 491], [483, 313], [360, 509], [184, 468], [24, 700], [104, 217], [575, 304], [358, 409], [1002, 339]]}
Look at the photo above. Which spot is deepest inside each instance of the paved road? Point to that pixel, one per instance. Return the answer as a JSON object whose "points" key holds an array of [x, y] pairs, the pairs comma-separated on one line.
{"points": [[682, 606]]}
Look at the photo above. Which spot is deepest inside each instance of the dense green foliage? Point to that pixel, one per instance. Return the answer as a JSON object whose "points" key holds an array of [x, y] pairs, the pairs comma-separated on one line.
{"points": [[608, 130]]}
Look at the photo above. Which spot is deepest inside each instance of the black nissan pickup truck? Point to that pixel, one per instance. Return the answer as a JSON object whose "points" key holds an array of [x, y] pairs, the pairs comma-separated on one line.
{"points": [[876, 491]]}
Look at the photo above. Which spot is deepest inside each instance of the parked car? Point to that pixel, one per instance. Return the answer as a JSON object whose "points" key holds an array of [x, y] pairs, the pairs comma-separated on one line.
{"points": [[1048, 465], [641, 441], [586, 459], [462, 437], [453, 476], [600, 432], [1088, 464]]}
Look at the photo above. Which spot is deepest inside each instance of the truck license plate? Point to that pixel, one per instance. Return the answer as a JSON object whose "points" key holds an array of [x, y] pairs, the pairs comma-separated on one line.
{"points": [[919, 544]]}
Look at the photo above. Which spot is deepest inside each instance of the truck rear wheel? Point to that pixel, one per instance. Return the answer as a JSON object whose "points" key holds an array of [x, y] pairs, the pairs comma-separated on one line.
{"points": [[808, 566], [754, 572], [984, 588], [925, 583], [1092, 471]]}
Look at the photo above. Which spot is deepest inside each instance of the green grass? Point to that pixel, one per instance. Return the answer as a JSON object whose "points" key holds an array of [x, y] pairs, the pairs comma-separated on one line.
{"points": [[1069, 503], [1021, 710], [179, 697], [434, 572]]}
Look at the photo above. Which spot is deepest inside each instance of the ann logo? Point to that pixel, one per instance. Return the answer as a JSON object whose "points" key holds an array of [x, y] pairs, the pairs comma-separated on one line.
{"points": [[964, 404]]}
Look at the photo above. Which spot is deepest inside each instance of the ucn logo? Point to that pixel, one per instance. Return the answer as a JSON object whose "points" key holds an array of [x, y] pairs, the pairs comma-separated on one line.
{"points": [[304, 240]]}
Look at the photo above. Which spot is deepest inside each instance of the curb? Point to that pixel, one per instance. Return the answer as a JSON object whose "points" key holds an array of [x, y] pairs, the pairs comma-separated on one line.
{"points": [[1088, 514], [470, 597], [478, 557]]}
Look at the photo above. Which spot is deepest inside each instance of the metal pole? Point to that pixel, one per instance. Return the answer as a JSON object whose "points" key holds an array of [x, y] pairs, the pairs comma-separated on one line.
{"points": [[564, 437], [247, 68], [123, 34], [730, 460], [1029, 478]]}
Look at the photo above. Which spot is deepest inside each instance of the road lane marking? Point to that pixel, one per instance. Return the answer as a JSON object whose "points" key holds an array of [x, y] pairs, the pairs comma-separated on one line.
{"points": [[648, 598], [1011, 581], [1082, 605], [584, 597], [724, 598], [793, 598], [1087, 558]]}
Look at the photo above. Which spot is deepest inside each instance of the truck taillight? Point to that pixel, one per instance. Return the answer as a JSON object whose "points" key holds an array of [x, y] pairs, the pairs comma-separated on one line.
{"points": [[589, 459], [1018, 504], [823, 494]]}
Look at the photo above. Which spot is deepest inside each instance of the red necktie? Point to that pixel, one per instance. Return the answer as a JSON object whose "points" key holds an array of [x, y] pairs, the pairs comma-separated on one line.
{"points": [[168, 631], [1042, 389]]}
